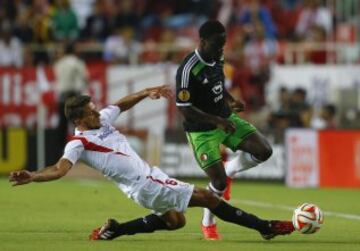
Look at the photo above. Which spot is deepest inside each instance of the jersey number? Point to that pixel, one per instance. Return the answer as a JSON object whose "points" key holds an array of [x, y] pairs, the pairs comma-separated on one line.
{"points": [[171, 182]]}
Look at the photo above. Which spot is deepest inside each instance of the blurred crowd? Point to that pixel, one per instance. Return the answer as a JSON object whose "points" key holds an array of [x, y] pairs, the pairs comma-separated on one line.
{"points": [[153, 31], [163, 30]]}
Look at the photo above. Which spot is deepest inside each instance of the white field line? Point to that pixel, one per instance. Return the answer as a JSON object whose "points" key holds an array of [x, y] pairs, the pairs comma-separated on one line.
{"points": [[289, 208]]}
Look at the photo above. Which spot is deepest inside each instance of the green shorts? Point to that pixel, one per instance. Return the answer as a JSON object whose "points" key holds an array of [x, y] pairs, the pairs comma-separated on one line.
{"points": [[206, 145]]}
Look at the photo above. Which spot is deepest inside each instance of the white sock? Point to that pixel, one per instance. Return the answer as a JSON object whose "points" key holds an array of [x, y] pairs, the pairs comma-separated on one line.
{"points": [[248, 161], [241, 162], [208, 218], [233, 166]]}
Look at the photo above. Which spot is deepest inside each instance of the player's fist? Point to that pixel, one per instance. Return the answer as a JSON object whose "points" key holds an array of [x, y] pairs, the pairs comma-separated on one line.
{"points": [[20, 177], [237, 106], [160, 91]]}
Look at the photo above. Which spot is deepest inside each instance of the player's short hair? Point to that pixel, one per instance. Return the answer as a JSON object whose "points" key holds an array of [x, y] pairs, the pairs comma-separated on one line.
{"points": [[75, 107], [210, 28]]}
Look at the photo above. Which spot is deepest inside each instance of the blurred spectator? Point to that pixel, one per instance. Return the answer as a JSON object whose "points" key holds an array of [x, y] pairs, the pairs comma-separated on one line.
{"points": [[254, 13], [284, 99], [9, 9], [71, 78], [120, 46], [301, 111], [327, 118], [11, 49], [97, 25], [41, 21], [65, 23], [316, 54], [23, 28], [280, 119], [313, 14], [127, 16], [259, 51]]}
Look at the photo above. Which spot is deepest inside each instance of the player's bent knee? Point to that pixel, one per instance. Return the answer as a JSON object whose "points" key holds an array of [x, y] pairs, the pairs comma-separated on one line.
{"points": [[219, 184], [267, 152], [176, 221]]}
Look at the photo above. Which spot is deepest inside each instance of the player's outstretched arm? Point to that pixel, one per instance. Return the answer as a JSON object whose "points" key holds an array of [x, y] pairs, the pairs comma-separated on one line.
{"points": [[47, 174], [153, 92]]}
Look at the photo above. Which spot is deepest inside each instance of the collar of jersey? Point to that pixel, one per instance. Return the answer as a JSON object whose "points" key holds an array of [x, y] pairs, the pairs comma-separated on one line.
{"points": [[202, 60], [87, 132]]}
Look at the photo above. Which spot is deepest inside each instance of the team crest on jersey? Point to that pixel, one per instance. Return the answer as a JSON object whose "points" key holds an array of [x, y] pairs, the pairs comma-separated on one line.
{"points": [[204, 157], [184, 95]]}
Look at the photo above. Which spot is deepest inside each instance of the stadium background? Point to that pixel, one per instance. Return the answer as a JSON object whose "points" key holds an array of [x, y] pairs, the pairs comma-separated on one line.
{"points": [[295, 64]]}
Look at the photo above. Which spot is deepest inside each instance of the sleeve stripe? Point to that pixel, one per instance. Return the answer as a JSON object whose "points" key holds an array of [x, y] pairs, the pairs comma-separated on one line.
{"points": [[183, 104], [186, 71]]}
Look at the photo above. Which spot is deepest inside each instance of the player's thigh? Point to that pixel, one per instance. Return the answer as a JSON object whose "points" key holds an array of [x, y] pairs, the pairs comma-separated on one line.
{"points": [[162, 193], [257, 145], [206, 146], [203, 198], [243, 130]]}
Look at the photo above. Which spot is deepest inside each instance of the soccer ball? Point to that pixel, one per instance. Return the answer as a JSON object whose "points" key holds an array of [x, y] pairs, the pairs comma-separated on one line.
{"points": [[307, 218]]}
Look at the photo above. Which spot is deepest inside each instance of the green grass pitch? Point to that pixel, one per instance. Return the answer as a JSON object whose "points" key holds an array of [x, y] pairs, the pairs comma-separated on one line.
{"points": [[59, 216]]}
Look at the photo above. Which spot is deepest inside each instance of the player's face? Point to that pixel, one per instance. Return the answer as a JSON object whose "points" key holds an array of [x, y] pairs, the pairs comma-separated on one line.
{"points": [[214, 46], [91, 119]]}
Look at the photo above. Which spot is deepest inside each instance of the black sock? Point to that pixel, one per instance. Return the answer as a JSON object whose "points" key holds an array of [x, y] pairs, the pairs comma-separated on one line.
{"points": [[234, 215], [148, 224]]}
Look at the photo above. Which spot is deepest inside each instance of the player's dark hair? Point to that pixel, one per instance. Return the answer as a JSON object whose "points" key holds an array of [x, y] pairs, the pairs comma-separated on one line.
{"points": [[210, 28], [75, 107]]}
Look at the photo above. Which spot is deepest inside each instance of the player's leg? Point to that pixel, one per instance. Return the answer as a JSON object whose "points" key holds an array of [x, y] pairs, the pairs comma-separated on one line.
{"points": [[257, 147], [217, 186], [112, 229], [206, 148], [253, 145], [226, 212]]}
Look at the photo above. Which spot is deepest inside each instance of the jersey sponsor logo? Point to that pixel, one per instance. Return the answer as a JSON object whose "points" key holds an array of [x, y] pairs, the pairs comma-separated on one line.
{"points": [[184, 95], [106, 132], [216, 99], [217, 89]]}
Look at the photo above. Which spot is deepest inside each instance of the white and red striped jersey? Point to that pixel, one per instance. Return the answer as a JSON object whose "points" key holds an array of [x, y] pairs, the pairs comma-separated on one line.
{"points": [[108, 151]]}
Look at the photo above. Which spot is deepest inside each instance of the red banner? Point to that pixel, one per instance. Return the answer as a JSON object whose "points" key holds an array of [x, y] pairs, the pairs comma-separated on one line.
{"points": [[20, 94], [339, 158]]}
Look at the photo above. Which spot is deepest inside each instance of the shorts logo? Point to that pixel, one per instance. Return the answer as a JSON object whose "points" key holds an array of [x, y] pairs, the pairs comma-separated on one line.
{"points": [[203, 157], [184, 95]]}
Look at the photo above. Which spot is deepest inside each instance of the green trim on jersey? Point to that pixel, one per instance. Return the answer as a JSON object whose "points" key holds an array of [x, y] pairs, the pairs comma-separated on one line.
{"points": [[197, 68], [206, 145]]}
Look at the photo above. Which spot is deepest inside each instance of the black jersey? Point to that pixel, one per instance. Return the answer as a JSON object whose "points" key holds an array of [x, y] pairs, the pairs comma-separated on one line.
{"points": [[201, 84]]}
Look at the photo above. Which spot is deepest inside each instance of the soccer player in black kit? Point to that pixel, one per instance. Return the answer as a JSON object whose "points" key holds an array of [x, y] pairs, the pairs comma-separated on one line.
{"points": [[211, 118]]}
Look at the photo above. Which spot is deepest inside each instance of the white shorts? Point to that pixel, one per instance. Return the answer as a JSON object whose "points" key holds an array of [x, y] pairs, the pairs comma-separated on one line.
{"points": [[161, 193]]}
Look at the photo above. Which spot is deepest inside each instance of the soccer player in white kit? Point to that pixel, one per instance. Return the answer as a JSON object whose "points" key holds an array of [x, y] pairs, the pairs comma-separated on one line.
{"points": [[97, 143]]}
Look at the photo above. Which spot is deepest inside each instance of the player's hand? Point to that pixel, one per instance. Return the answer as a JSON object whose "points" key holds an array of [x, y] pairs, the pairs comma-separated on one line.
{"points": [[226, 125], [237, 106], [159, 91], [21, 177]]}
